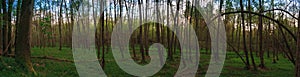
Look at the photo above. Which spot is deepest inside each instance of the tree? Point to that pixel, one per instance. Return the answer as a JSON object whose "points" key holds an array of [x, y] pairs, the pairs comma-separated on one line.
{"points": [[250, 24], [9, 30], [23, 37], [146, 30], [141, 33], [298, 50], [60, 24], [244, 36], [170, 54], [274, 51], [4, 26], [102, 31], [260, 29], [157, 26]]}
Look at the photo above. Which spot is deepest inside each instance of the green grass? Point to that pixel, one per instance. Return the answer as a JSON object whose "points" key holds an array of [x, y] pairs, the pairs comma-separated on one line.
{"points": [[233, 66]]}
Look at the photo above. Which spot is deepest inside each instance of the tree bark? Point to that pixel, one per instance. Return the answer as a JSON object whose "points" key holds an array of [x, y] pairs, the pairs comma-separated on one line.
{"points": [[260, 29], [23, 37], [9, 31], [4, 26], [141, 33], [146, 30], [17, 20], [158, 36], [244, 37], [170, 54], [1, 28], [102, 33], [298, 50], [250, 24], [60, 24]]}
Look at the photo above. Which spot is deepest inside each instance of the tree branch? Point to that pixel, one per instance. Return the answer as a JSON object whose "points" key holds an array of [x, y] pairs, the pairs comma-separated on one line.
{"points": [[276, 21], [293, 16]]}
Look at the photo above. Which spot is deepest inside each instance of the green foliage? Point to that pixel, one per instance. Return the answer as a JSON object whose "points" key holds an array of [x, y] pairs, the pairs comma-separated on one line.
{"points": [[45, 24], [233, 66]]}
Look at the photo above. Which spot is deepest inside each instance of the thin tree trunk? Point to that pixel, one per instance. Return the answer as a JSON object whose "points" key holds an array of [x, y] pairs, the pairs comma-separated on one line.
{"points": [[158, 36], [275, 45], [250, 24], [130, 28], [298, 50], [141, 33], [60, 24], [146, 30], [244, 37], [72, 20], [102, 32], [9, 34], [1, 39], [260, 29], [170, 54]]}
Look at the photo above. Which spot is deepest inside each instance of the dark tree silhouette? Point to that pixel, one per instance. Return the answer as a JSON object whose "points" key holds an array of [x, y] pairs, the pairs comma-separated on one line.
{"points": [[244, 36], [298, 50]]}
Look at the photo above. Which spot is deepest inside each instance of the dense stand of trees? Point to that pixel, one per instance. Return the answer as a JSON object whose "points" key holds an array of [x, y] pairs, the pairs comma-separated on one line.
{"points": [[253, 28]]}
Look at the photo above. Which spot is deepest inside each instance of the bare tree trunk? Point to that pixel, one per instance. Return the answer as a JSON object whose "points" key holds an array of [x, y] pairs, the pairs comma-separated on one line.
{"points": [[158, 38], [4, 27], [60, 24], [141, 33], [102, 40], [102, 32], [1, 28], [9, 34], [173, 42], [244, 37], [274, 51], [250, 24], [298, 50], [260, 29], [170, 54], [97, 30], [130, 28], [68, 27], [23, 37], [146, 30], [72, 20]]}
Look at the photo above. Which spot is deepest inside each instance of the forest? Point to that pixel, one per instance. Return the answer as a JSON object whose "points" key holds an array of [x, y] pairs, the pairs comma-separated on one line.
{"points": [[160, 38]]}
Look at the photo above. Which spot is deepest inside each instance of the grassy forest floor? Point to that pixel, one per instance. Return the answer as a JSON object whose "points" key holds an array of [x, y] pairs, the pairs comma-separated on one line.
{"points": [[233, 66]]}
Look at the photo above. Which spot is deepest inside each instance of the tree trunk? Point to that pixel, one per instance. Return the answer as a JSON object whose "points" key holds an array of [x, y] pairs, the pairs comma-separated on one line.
{"points": [[60, 24], [260, 29], [9, 31], [298, 50], [4, 27], [23, 37], [146, 30], [1, 28], [102, 36], [250, 24], [275, 45], [170, 54], [141, 33], [244, 37], [130, 28]]}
